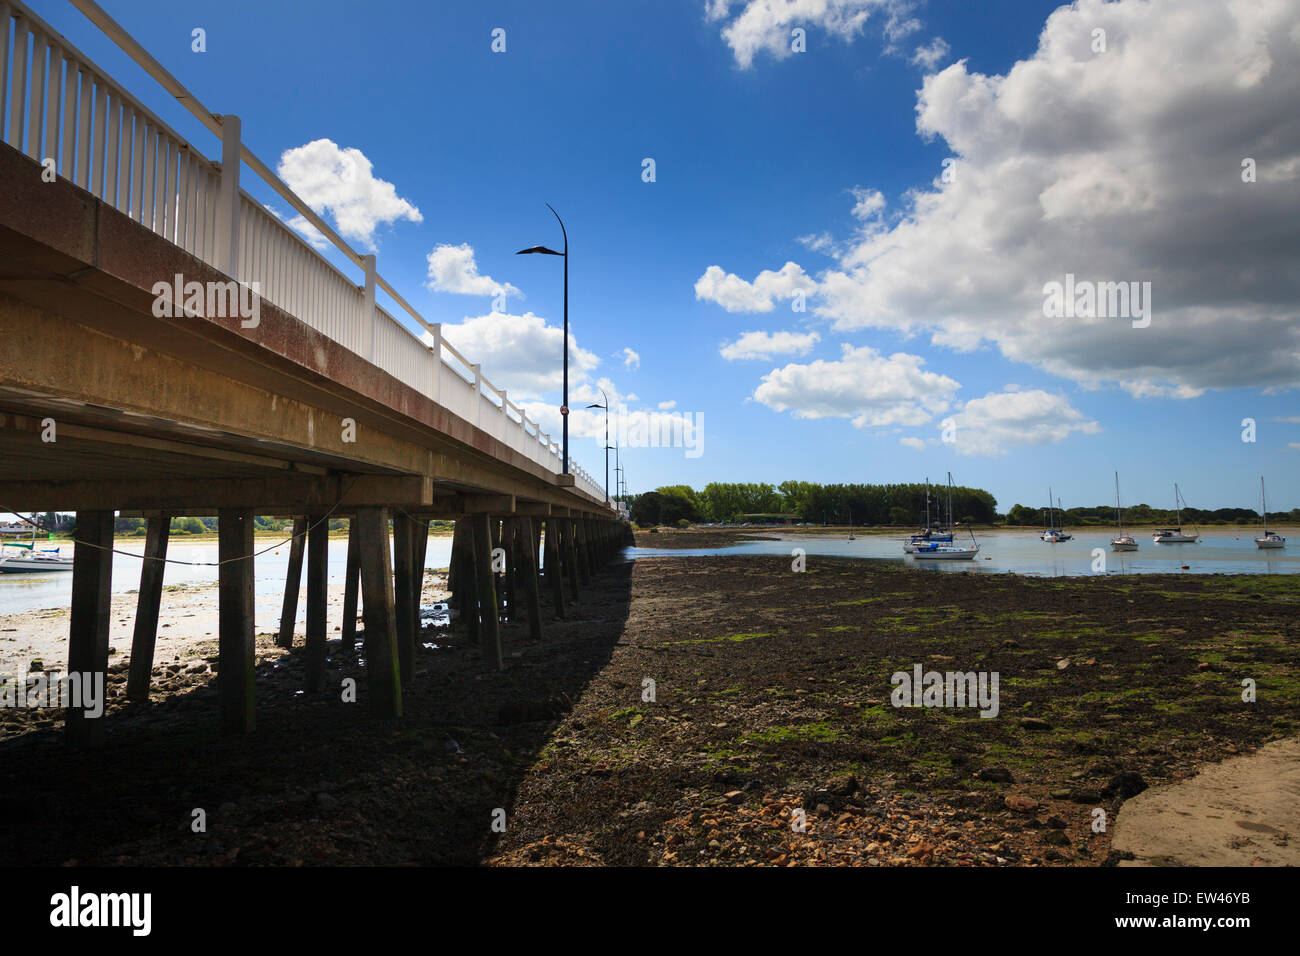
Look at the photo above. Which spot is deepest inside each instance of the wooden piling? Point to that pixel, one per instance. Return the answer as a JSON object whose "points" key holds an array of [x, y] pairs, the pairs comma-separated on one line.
{"points": [[147, 606], [528, 575], [235, 619], [571, 556], [489, 628], [403, 555], [318, 541], [378, 613], [349, 633], [292, 584], [554, 574], [92, 578]]}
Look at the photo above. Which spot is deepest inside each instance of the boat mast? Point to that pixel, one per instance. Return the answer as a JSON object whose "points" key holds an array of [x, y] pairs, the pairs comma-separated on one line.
{"points": [[1263, 502], [1051, 516], [950, 501], [1119, 515], [1177, 510]]}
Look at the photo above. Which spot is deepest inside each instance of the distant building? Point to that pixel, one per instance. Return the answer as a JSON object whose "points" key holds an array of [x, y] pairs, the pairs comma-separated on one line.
{"points": [[12, 530]]}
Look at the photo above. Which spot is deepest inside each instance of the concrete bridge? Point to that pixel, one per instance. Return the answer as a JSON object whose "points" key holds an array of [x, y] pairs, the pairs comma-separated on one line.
{"points": [[264, 380]]}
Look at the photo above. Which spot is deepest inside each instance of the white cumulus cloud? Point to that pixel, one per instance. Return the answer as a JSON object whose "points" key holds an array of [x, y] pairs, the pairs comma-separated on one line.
{"points": [[736, 295], [764, 345], [871, 389], [453, 269], [340, 181], [993, 424], [764, 26], [1115, 166]]}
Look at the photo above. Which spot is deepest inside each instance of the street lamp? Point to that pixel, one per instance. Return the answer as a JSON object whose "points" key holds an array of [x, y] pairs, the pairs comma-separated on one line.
{"points": [[564, 409], [606, 407]]}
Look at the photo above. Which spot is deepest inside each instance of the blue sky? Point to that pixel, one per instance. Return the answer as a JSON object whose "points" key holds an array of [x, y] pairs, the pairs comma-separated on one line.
{"points": [[1066, 159]]}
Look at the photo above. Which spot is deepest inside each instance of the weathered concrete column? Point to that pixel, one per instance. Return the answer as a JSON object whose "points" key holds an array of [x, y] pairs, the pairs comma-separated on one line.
{"points": [[292, 584], [318, 542], [235, 619], [554, 573], [403, 554], [349, 638], [379, 616], [528, 574], [489, 628], [92, 574], [147, 606]]}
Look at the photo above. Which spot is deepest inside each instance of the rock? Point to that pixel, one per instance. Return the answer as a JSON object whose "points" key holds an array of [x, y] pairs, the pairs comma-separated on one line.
{"points": [[1124, 785], [733, 796], [843, 785], [1056, 838], [1034, 723], [1020, 804], [1060, 794], [1085, 796], [995, 775], [1063, 663], [1055, 822]]}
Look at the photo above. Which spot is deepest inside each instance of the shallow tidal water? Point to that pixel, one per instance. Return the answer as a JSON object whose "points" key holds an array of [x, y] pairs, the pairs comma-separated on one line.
{"points": [[1024, 552]]}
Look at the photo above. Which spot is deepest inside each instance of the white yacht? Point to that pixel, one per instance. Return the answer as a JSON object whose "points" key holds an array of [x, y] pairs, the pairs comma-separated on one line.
{"points": [[1268, 539]]}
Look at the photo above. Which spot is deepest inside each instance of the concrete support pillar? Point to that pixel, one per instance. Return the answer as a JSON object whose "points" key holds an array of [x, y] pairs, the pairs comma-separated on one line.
{"points": [[489, 629], [419, 549], [235, 619], [292, 584], [318, 541], [350, 586], [379, 615], [147, 607], [554, 572], [92, 576], [403, 552]]}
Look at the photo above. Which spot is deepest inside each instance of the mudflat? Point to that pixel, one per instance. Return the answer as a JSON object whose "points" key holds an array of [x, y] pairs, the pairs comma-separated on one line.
{"points": [[700, 711]]}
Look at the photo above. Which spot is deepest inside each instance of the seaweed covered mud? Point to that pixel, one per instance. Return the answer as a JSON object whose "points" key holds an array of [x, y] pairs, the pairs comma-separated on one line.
{"points": [[702, 711]]}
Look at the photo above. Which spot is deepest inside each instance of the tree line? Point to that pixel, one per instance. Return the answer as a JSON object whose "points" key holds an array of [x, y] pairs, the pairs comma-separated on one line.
{"points": [[1143, 514], [862, 504]]}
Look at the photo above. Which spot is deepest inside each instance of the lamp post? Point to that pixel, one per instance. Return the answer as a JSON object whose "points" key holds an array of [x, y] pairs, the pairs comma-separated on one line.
{"points": [[606, 407], [564, 409]]}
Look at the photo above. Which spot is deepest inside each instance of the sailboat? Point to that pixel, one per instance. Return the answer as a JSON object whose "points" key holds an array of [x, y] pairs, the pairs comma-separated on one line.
{"points": [[46, 559], [927, 535], [851, 524], [1121, 541], [1269, 539], [1169, 536], [939, 551], [1053, 534]]}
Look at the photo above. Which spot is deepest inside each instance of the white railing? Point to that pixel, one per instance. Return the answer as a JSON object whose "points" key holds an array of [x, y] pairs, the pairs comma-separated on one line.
{"points": [[63, 111]]}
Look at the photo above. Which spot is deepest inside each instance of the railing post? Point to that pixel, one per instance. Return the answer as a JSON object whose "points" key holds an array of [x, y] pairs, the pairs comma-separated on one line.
{"points": [[478, 392], [435, 353], [228, 198], [368, 302]]}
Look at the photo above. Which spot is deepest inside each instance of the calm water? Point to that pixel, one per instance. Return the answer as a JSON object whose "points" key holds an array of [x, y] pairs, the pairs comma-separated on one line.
{"points": [[1219, 552], [29, 592]]}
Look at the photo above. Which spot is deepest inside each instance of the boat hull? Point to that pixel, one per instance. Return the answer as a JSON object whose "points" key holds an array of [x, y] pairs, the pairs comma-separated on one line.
{"points": [[1118, 545], [33, 566], [956, 554], [1270, 544]]}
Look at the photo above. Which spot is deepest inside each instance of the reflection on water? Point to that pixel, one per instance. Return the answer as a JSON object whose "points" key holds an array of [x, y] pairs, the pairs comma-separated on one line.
{"points": [[1025, 553]]}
